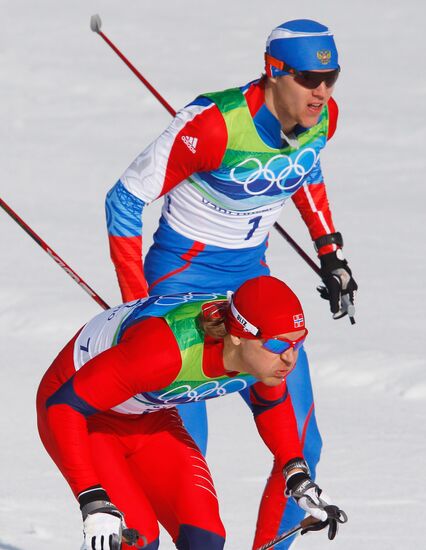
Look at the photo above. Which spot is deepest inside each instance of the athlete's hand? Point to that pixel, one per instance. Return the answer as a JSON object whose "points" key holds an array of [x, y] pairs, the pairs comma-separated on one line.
{"points": [[313, 500], [339, 286], [102, 526]]}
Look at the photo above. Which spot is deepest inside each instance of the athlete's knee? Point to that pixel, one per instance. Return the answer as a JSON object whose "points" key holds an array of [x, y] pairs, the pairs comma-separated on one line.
{"points": [[195, 538]]}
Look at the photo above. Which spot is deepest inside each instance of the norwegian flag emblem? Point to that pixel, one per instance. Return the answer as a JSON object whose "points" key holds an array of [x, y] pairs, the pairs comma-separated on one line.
{"points": [[298, 320]]}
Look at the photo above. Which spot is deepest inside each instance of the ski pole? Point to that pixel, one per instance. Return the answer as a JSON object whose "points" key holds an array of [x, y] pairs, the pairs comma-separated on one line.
{"points": [[95, 25], [287, 534], [53, 255]]}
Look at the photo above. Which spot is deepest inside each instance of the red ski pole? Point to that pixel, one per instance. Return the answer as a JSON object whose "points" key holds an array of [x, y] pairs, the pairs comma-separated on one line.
{"points": [[95, 25], [53, 255]]}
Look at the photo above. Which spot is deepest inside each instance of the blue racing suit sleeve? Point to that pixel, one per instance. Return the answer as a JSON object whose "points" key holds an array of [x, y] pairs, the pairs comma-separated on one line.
{"points": [[123, 212], [124, 222]]}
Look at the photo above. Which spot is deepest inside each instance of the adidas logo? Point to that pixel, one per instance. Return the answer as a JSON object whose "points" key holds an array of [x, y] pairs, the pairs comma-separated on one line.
{"points": [[191, 143]]}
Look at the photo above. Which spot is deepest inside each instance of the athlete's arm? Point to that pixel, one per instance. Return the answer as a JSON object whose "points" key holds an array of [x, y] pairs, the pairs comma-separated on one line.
{"points": [[311, 199], [195, 141], [275, 420], [146, 359]]}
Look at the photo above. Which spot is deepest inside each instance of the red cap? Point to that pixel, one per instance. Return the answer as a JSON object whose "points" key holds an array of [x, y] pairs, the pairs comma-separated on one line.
{"points": [[264, 307]]}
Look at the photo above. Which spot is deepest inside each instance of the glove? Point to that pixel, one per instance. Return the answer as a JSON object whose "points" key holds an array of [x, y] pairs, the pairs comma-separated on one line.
{"points": [[313, 500], [339, 285], [102, 526]]}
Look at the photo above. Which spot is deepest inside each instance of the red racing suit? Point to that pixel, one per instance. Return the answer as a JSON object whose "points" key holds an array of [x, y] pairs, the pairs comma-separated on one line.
{"points": [[147, 463]]}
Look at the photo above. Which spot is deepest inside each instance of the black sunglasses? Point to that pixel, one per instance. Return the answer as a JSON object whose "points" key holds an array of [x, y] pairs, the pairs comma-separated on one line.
{"points": [[307, 79], [312, 79]]}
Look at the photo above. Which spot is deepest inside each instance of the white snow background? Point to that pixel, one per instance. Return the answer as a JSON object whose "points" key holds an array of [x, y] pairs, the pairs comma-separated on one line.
{"points": [[73, 117]]}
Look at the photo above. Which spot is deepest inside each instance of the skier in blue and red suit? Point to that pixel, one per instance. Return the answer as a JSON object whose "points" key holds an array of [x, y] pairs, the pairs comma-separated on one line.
{"points": [[226, 166]]}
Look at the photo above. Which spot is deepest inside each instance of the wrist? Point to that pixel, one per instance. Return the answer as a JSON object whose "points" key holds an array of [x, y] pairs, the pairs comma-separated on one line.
{"points": [[296, 480], [328, 243], [95, 493], [294, 466], [100, 507]]}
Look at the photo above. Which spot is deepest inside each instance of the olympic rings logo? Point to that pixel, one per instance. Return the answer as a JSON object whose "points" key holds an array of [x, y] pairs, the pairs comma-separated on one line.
{"points": [[187, 393], [177, 299], [276, 171], [168, 300]]}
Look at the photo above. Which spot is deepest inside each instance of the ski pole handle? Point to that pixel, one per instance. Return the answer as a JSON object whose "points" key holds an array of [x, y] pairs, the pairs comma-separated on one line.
{"points": [[132, 536]]}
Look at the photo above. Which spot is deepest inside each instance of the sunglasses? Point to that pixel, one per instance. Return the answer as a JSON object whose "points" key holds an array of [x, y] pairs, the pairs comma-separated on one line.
{"points": [[311, 79], [307, 79], [280, 345]]}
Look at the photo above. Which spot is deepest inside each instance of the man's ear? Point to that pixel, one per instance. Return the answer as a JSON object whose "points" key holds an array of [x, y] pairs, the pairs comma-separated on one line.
{"points": [[236, 340]]}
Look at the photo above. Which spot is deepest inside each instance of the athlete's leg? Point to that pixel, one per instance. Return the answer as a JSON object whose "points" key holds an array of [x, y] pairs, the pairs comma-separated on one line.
{"points": [[111, 440], [300, 388], [276, 513], [178, 483]]}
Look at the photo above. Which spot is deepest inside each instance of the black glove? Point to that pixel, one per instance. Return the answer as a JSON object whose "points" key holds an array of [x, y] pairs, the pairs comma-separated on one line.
{"points": [[313, 500], [339, 285]]}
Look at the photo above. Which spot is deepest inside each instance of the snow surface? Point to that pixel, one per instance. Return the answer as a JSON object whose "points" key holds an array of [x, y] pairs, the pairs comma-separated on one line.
{"points": [[73, 117]]}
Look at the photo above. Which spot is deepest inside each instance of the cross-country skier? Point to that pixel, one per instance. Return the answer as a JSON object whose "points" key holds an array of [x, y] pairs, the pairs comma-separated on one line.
{"points": [[225, 166], [107, 416]]}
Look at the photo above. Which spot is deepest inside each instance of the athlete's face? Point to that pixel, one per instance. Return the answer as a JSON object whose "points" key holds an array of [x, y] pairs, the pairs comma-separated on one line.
{"points": [[269, 368], [294, 104]]}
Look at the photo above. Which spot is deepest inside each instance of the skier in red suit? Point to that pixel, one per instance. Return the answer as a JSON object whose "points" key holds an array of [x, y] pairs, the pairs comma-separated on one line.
{"points": [[107, 410]]}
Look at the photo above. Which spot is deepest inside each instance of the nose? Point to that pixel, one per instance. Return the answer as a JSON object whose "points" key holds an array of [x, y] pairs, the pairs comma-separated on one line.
{"points": [[321, 90], [289, 356]]}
